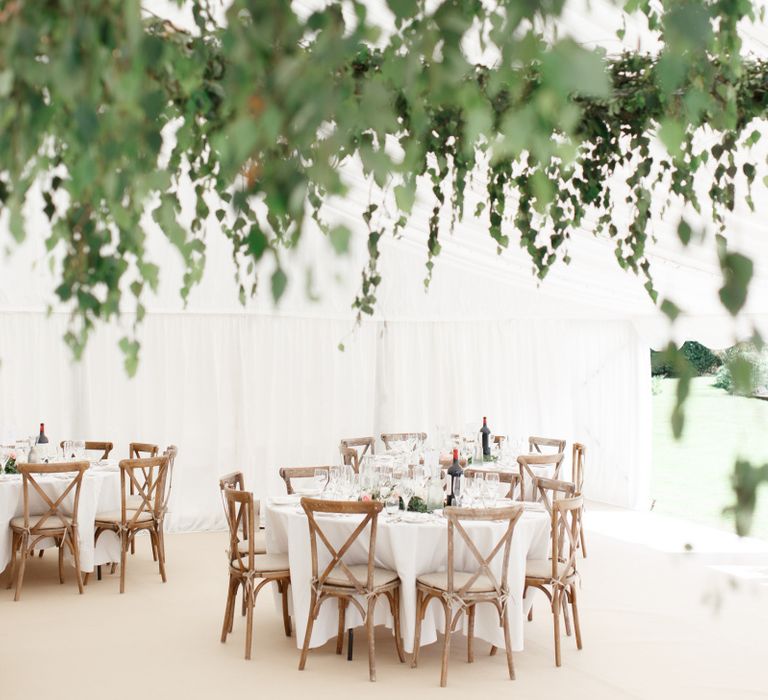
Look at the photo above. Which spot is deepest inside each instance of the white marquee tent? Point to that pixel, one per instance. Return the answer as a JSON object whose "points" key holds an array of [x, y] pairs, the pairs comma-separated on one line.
{"points": [[256, 388]]}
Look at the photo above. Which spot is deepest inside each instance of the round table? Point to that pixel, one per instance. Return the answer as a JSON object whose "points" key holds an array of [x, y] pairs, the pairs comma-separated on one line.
{"points": [[410, 549], [100, 491]]}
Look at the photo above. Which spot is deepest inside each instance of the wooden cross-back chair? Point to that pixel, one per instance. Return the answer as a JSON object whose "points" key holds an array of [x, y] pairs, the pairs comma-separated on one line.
{"points": [[354, 449], [390, 438], [577, 466], [542, 445], [287, 474], [171, 452], [526, 465], [95, 446], [30, 528], [557, 577], [549, 490], [460, 591], [246, 565], [510, 478], [344, 581], [146, 478], [140, 450]]}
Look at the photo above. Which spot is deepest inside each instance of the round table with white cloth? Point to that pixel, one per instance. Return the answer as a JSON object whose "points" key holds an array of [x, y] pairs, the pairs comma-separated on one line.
{"points": [[100, 492], [411, 549]]}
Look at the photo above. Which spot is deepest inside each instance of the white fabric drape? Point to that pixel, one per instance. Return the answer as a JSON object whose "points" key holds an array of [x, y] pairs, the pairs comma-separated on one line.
{"points": [[256, 392]]}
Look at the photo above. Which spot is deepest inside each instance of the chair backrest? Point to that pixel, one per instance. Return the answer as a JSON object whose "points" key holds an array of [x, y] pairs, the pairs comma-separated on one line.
{"points": [[550, 490], [289, 473], [360, 446], [535, 444], [528, 462], [504, 477], [350, 457], [234, 480], [139, 450], [95, 446], [389, 439], [238, 509], [484, 564], [566, 530], [54, 507], [370, 511], [171, 451], [577, 466], [146, 478]]}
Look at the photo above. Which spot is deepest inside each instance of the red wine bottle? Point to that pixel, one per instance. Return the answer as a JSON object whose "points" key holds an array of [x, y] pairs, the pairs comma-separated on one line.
{"points": [[485, 431], [455, 472], [42, 439]]}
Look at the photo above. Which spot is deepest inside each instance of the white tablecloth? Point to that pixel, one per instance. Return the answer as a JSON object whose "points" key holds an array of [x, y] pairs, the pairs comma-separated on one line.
{"points": [[100, 492], [410, 549]]}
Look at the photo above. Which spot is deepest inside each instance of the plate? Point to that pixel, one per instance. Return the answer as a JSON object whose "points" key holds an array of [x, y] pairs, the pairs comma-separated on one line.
{"points": [[411, 517], [285, 500]]}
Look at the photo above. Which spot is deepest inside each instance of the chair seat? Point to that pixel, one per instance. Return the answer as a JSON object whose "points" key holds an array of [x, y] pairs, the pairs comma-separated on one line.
{"points": [[259, 544], [52, 522], [542, 569], [115, 516], [381, 577], [133, 501], [270, 563], [439, 580]]}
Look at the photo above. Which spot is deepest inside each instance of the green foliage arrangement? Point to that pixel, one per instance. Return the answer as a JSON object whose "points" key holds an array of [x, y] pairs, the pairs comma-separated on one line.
{"points": [[108, 113], [744, 370], [701, 359]]}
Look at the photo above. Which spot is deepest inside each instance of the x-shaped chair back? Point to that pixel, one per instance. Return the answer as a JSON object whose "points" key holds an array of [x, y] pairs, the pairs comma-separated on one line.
{"points": [[54, 508], [95, 446], [370, 511], [577, 466], [171, 451], [354, 449], [287, 474], [146, 478], [504, 478], [454, 516], [527, 462], [550, 490], [390, 439], [566, 530], [535, 444], [239, 510]]}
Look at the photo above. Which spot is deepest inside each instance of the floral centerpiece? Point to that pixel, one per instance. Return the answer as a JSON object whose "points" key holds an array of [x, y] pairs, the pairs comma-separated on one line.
{"points": [[10, 465]]}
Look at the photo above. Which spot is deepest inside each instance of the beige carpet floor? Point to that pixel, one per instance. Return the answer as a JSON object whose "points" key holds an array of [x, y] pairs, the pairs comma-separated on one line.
{"points": [[655, 625]]}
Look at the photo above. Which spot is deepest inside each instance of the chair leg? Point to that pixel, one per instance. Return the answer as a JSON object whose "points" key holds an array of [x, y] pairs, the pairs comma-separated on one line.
{"points": [[421, 602], [113, 568], [308, 633], [12, 572], [156, 545], [123, 556], [508, 644], [470, 634], [342, 620], [161, 540], [229, 608], [22, 564], [576, 625], [583, 543], [242, 602], [566, 615], [369, 626], [283, 585], [61, 561], [395, 601], [556, 619], [446, 646], [75, 547], [249, 621]]}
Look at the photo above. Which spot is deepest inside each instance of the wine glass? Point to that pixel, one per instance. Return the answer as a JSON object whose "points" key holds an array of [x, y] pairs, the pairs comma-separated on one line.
{"points": [[392, 503], [5, 457], [321, 479], [492, 487], [406, 492]]}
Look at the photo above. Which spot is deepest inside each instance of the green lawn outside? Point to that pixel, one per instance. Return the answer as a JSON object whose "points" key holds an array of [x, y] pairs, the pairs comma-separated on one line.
{"points": [[691, 476]]}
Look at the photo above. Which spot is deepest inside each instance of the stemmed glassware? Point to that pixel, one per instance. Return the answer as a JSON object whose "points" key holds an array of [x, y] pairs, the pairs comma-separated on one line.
{"points": [[321, 479], [5, 457], [491, 488], [406, 489]]}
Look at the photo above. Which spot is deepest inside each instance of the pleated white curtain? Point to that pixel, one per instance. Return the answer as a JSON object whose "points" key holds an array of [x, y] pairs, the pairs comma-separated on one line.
{"points": [[254, 393]]}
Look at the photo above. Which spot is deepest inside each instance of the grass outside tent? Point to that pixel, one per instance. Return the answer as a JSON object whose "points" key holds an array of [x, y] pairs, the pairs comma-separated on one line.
{"points": [[691, 476]]}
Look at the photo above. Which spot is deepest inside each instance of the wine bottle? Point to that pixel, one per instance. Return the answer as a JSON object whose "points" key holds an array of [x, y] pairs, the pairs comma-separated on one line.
{"points": [[455, 472], [485, 431], [42, 439]]}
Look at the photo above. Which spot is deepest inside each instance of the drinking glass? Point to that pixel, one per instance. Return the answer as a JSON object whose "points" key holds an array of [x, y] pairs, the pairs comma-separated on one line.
{"points": [[5, 456], [79, 449], [392, 503], [321, 479], [492, 487], [406, 492]]}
